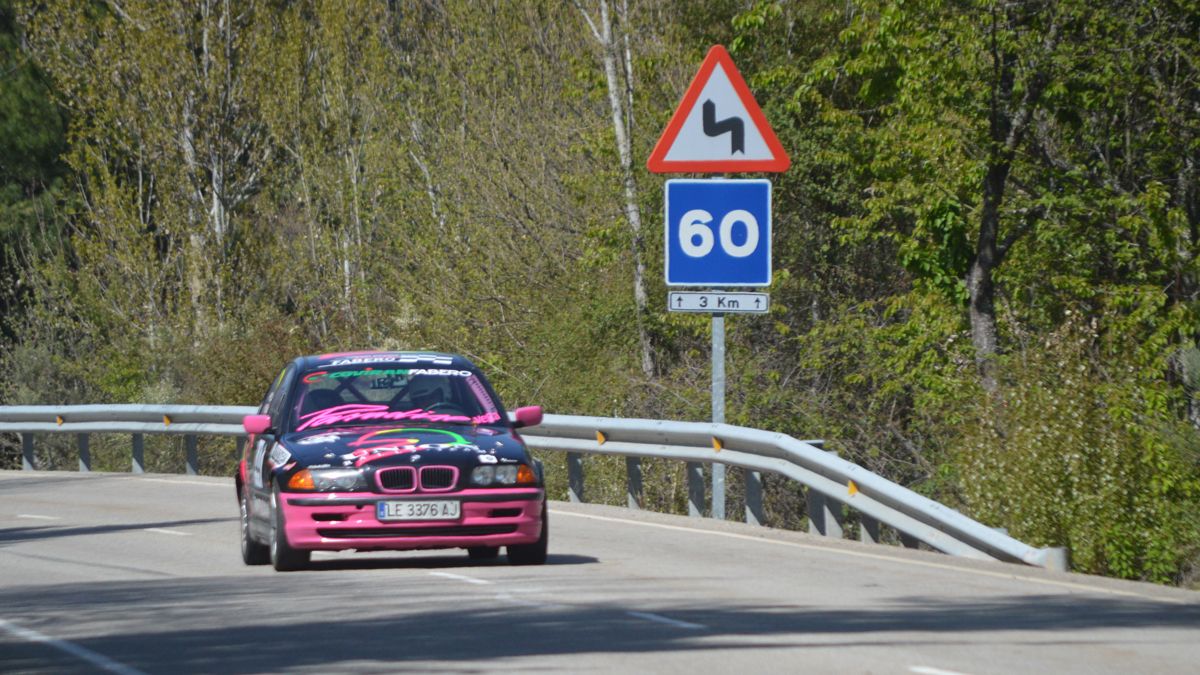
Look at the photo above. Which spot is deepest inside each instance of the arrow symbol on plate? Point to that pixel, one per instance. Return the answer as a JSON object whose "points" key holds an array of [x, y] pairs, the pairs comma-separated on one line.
{"points": [[730, 125]]}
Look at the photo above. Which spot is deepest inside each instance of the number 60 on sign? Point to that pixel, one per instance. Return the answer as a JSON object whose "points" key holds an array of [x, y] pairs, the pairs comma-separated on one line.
{"points": [[718, 233]]}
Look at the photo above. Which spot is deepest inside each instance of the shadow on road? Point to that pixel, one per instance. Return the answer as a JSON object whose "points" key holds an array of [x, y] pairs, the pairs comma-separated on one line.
{"points": [[456, 559], [280, 622], [10, 535]]}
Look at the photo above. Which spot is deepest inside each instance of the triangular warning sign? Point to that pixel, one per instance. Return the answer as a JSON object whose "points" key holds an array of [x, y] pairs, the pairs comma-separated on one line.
{"points": [[718, 126]]}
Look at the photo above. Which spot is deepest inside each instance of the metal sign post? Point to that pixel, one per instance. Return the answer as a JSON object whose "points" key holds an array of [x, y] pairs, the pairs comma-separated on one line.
{"points": [[718, 410], [718, 232]]}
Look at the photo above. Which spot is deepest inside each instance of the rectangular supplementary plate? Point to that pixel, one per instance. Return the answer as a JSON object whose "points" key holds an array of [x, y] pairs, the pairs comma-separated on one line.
{"points": [[717, 302]]}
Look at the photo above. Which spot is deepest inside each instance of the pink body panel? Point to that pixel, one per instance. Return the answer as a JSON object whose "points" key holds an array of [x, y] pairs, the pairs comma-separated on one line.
{"points": [[332, 527]]}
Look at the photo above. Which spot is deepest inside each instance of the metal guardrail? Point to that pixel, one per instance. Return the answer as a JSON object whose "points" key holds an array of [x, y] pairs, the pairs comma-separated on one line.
{"points": [[190, 421], [831, 481]]}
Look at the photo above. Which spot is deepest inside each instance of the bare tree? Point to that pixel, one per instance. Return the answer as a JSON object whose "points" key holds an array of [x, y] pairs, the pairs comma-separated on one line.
{"points": [[618, 73]]}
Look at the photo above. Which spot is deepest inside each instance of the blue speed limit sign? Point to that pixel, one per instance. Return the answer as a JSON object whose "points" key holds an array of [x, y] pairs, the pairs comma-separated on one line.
{"points": [[718, 232]]}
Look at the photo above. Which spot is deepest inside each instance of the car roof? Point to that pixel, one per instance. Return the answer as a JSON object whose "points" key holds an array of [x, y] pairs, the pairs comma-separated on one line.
{"points": [[413, 358]]}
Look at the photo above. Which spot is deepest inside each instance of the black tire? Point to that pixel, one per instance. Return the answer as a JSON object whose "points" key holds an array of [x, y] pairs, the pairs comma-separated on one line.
{"points": [[535, 553], [253, 552], [483, 552], [284, 558]]}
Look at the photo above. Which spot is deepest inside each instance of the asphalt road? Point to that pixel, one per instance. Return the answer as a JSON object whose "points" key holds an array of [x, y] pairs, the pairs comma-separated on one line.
{"points": [[141, 574]]}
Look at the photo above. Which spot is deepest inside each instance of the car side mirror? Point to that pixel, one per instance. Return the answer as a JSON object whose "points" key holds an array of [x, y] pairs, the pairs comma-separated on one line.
{"points": [[529, 416], [256, 424]]}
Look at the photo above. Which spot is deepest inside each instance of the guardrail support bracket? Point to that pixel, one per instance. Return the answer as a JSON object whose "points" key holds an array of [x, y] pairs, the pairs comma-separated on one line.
{"points": [[633, 482], [85, 453], [868, 529], [28, 461], [193, 459], [574, 477], [139, 461], [754, 497]]}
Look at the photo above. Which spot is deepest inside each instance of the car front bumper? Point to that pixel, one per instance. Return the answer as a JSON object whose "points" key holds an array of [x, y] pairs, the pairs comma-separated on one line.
{"points": [[348, 520]]}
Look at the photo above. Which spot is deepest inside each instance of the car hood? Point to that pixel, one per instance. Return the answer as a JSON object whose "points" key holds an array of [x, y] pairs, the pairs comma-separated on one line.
{"points": [[375, 446]]}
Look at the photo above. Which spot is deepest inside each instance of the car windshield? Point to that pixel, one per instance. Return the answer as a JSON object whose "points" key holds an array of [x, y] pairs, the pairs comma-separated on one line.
{"points": [[362, 394]]}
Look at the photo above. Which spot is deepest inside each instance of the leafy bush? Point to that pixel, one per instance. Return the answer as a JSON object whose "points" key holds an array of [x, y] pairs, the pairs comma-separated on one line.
{"points": [[1072, 453]]}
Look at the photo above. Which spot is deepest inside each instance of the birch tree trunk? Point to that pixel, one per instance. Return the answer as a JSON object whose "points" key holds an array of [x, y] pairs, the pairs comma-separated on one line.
{"points": [[618, 94]]}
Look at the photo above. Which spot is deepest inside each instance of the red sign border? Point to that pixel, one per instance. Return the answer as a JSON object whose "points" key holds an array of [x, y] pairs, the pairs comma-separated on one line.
{"points": [[657, 163]]}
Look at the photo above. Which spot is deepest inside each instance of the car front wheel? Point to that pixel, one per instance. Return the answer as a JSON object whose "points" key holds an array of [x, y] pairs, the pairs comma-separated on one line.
{"points": [[483, 552], [284, 558], [253, 553]]}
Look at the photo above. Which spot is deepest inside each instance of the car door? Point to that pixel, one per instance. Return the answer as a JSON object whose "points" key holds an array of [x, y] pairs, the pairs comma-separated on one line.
{"points": [[258, 450]]}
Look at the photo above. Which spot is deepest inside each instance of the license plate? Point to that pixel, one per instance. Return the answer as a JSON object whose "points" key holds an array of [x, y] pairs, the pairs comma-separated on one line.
{"points": [[441, 509]]}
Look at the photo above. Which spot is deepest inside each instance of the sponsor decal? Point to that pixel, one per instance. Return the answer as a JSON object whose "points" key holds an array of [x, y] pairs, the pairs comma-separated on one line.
{"points": [[480, 392], [487, 459], [353, 412], [384, 437], [392, 442], [279, 455], [389, 375], [391, 358], [318, 439], [366, 455]]}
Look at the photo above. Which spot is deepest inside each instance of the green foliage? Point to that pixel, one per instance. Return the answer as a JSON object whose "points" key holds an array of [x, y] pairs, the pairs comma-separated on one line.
{"points": [[193, 192], [1083, 455]]}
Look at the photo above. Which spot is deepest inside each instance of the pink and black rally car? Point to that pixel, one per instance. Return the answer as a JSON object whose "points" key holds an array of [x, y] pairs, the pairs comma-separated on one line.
{"points": [[388, 451]]}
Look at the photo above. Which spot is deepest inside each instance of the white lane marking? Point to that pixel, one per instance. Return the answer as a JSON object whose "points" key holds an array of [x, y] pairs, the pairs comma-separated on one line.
{"points": [[183, 482], [34, 516], [459, 577], [926, 670], [509, 598], [99, 660], [658, 618], [160, 530], [877, 556]]}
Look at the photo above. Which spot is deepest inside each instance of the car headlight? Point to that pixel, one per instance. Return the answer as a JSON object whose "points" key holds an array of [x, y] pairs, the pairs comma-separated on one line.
{"points": [[338, 480], [510, 474], [483, 475]]}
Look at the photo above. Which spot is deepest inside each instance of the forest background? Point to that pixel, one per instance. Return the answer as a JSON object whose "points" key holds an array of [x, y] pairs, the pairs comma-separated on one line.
{"points": [[985, 250]]}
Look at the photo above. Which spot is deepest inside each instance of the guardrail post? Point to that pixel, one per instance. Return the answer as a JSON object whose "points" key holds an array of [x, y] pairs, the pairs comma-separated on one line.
{"points": [[85, 453], [824, 515], [754, 497], [868, 529], [193, 458], [139, 462], [28, 462], [574, 477], [695, 480], [633, 482]]}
